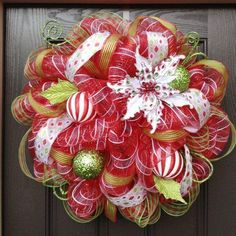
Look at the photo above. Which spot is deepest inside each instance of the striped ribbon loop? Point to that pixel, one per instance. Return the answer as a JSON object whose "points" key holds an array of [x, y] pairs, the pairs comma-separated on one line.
{"points": [[177, 208], [50, 177], [42, 109], [233, 134], [74, 217], [22, 158]]}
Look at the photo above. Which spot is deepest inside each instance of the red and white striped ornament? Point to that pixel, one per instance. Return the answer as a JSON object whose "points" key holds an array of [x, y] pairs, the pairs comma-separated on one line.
{"points": [[170, 167], [80, 108]]}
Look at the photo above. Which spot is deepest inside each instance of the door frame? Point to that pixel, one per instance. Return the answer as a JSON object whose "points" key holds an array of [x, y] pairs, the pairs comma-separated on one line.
{"points": [[21, 3]]}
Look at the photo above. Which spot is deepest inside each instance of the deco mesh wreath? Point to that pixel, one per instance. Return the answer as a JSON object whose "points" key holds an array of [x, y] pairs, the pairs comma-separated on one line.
{"points": [[123, 116]]}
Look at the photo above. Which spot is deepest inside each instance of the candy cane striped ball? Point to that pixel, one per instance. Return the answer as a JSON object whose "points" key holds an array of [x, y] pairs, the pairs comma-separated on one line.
{"points": [[170, 167], [80, 108]]}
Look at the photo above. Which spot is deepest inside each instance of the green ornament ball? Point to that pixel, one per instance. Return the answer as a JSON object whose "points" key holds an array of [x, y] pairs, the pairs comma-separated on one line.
{"points": [[88, 164], [182, 80]]}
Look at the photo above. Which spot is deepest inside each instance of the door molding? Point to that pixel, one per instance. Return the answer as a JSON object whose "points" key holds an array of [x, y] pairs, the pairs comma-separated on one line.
{"points": [[129, 2], [1, 107]]}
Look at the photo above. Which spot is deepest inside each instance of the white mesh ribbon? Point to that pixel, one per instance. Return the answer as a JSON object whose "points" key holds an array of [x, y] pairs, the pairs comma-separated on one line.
{"points": [[157, 47], [133, 198], [187, 180], [200, 104], [84, 52], [48, 134]]}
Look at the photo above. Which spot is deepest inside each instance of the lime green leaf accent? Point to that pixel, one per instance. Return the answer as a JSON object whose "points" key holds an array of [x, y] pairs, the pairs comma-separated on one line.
{"points": [[169, 188], [59, 92]]}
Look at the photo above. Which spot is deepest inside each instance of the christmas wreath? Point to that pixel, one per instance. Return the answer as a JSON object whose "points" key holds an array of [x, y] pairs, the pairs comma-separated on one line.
{"points": [[123, 116]]}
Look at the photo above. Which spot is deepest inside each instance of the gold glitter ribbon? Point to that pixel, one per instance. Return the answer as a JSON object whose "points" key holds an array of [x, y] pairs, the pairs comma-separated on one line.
{"points": [[134, 25], [116, 180], [61, 157], [166, 24], [167, 135], [93, 70], [107, 52]]}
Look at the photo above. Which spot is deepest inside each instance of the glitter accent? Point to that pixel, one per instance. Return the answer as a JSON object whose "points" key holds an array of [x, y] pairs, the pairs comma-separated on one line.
{"points": [[182, 80], [88, 164]]}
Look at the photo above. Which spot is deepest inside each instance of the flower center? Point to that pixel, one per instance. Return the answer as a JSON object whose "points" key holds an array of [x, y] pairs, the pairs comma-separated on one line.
{"points": [[148, 87]]}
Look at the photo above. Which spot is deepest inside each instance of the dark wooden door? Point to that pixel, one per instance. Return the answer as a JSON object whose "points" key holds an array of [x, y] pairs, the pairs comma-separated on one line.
{"points": [[31, 210]]}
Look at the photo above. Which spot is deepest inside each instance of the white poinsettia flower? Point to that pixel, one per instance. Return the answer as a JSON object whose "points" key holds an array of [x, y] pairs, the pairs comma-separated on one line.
{"points": [[150, 87]]}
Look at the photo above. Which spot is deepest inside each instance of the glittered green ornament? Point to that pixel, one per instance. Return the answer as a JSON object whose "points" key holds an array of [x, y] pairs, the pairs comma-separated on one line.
{"points": [[88, 164], [182, 80]]}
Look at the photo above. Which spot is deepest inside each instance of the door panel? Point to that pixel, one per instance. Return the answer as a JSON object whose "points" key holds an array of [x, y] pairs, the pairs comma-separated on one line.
{"points": [[221, 190], [31, 209]]}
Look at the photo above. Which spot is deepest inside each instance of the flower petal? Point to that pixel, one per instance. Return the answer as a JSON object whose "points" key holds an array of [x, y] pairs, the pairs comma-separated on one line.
{"points": [[141, 62], [128, 85], [153, 117], [178, 100], [133, 106]]}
